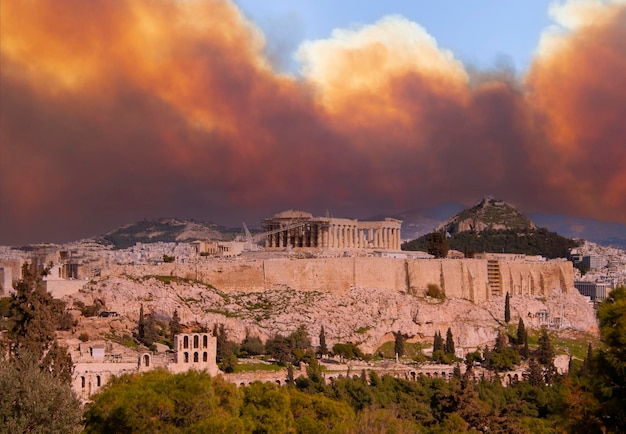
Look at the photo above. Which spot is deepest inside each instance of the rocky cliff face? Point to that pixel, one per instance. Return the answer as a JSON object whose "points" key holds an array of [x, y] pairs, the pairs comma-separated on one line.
{"points": [[364, 316], [491, 214]]}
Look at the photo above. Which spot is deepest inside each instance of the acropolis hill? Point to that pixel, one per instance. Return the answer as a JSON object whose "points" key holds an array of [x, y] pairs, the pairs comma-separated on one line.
{"points": [[345, 275]]}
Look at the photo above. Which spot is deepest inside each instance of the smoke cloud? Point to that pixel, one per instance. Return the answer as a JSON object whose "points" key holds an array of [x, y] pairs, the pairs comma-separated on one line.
{"points": [[115, 111]]}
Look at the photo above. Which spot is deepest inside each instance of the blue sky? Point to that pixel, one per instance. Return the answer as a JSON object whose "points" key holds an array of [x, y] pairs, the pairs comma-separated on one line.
{"points": [[481, 33]]}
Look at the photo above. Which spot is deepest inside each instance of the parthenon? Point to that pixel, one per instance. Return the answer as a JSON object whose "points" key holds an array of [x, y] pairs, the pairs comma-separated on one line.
{"points": [[298, 229]]}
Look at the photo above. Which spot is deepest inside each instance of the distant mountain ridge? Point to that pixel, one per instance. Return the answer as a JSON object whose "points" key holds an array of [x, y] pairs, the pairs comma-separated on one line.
{"points": [[165, 230], [489, 214]]}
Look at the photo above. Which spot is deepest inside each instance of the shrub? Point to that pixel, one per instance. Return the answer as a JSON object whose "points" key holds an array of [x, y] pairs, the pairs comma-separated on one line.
{"points": [[433, 291]]}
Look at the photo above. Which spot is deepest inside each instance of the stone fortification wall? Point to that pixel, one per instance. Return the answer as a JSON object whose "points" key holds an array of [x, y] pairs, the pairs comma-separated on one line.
{"points": [[471, 279]]}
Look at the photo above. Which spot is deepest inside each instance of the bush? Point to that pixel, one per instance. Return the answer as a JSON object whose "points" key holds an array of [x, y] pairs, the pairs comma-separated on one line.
{"points": [[348, 351], [433, 291], [252, 346], [83, 337]]}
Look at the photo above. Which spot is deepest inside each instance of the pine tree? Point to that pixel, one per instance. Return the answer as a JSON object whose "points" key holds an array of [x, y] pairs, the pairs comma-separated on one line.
{"points": [[437, 245], [323, 349], [449, 347], [507, 308], [501, 342]]}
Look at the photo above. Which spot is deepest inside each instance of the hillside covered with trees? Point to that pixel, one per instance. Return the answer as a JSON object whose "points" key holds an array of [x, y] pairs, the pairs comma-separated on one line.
{"points": [[527, 241]]}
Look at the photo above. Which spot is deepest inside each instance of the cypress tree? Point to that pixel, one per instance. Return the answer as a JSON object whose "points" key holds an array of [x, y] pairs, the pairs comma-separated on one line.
{"points": [[399, 344], [522, 336], [449, 347], [323, 349], [526, 350], [437, 342], [507, 308], [141, 325]]}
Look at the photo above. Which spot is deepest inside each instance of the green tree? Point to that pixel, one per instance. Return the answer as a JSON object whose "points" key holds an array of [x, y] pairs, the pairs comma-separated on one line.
{"points": [[35, 400], [398, 347], [225, 347], [610, 361], [158, 401], [300, 339], [175, 325], [252, 346], [33, 320], [545, 351], [58, 363], [348, 351], [522, 335], [449, 346], [507, 308], [323, 349], [229, 363], [279, 348], [437, 244], [438, 342], [535, 374]]}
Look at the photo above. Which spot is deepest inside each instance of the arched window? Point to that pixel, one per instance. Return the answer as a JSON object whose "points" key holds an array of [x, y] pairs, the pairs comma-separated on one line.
{"points": [[195, 357], [186, 357], [186, 342], [196, 341], [82, 382], [205, 357], [98, 381], [146, 360], [205, 341]]}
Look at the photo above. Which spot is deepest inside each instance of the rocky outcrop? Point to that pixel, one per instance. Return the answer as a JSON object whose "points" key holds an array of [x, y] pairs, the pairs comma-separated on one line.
{"points": [[490, 214], [364, 316]]}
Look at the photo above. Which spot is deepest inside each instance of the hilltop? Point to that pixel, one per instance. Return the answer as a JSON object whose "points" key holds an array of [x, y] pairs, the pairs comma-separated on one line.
{"points": [[489, 214], [165, 230], [497, 227]]}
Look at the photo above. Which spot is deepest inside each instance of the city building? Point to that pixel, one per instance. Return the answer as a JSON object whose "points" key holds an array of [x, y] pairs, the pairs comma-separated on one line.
{"points": [[596, 291]]}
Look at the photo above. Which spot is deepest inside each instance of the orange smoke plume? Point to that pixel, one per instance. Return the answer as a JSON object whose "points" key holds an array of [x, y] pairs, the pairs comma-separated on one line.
{"points": [[112, 111]]}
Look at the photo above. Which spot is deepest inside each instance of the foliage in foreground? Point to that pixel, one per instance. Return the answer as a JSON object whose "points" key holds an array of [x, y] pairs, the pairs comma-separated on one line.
{"points": [[35, 371], [32, 400], [589, 399]]}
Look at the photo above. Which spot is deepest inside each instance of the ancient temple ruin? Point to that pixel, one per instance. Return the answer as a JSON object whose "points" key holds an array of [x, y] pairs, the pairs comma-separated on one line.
{"points": [[298, 229]]}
